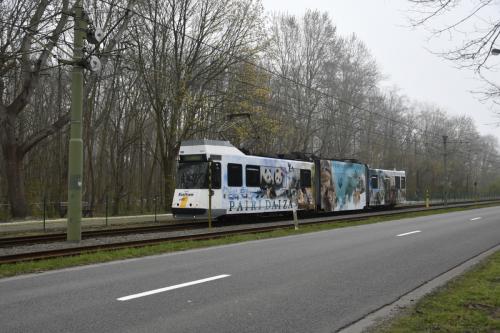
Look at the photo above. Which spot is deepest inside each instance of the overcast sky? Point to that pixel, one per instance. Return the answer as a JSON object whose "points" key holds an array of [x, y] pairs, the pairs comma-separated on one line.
{"points": [[402, 54]]}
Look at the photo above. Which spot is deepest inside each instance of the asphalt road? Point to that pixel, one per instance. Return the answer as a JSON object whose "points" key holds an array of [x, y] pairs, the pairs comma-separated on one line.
{"points": [[316, 282]]}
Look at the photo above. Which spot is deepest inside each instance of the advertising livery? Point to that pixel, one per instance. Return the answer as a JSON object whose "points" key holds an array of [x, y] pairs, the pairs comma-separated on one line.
{"points": [[343, 185], [246, 184]]}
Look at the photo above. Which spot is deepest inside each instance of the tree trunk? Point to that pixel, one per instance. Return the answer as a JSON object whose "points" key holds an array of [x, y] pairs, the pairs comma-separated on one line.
{"points": [[13, 158], [169, 182]]}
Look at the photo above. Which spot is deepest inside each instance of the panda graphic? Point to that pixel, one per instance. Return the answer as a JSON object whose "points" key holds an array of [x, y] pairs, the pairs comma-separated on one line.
{"points": [[267, 177], [267, 183], [278, 177], [280, 183]]}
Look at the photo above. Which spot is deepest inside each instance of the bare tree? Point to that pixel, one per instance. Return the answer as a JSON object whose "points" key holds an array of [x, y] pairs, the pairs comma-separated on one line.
{"points": [[474, 28], [30, 31], [348, 80], [298, 51], [33, 35], [469, 22], [183, 46]]}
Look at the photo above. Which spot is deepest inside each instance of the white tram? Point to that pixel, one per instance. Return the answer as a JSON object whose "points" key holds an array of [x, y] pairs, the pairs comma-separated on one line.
{"points": [[246, 184]]}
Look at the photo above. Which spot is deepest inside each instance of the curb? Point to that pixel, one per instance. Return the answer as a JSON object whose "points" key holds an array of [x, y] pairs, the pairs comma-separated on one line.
{"points": [[389, 311]]}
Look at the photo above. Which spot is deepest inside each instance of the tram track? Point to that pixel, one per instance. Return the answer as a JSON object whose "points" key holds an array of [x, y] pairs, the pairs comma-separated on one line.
{"points": [[54, 237], [121, 245], [206, 235]]}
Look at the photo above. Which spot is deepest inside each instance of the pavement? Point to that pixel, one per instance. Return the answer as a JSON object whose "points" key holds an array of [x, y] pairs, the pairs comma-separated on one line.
{"points": [[316, 282]]}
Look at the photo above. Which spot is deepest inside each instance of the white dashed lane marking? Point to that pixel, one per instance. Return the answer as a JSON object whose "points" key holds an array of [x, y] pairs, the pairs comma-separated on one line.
{"points": [[177, 286], [475, 218], [408, 233]]}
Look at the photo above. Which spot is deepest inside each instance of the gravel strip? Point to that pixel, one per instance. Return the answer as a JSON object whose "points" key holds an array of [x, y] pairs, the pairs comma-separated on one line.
{"points": [[125, 238]]}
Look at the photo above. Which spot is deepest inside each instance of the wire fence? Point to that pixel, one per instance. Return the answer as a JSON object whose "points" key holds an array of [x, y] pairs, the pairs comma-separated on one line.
{"points": [[45, 209], [452, 197], [438, 197]]}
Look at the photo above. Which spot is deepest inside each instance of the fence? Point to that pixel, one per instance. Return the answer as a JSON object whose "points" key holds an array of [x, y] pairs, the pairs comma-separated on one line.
{"points": [[438, 197], [107, 207]]}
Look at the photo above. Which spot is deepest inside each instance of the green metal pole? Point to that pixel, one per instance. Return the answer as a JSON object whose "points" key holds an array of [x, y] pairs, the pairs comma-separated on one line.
{"points": [[210, 194], [75, 168], [445, 162], [44, 211], [106, 208], [427, 198], [156, 203]]}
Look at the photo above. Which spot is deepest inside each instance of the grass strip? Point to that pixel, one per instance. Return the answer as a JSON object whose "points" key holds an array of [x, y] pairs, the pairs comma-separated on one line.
{"points": [[469, 303], [111, 255]]}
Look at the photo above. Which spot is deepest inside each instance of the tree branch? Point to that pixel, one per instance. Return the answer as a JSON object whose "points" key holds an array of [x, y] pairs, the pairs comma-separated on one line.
{"points": [[32, 76], [37, 137]]}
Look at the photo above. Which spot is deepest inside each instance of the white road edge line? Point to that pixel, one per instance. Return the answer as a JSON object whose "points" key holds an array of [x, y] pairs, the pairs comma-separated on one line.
{"points": [[408, 233], [177, 286], [476, 218]]}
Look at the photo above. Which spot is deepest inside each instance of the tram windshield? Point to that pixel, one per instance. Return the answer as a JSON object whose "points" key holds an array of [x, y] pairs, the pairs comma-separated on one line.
{"points": [[194, 175]]}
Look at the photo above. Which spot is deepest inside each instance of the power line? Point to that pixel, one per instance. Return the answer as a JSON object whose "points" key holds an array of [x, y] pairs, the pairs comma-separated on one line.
{"points": [[267, 105], [279, 75], [281, 103], [267, 70], [244, 60]]}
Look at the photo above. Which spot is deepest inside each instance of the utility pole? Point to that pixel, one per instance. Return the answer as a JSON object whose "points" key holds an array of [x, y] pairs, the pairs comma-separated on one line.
{"points": [[75, 156], [415, 166], [445, 157], [210, 194], [75, 168]]}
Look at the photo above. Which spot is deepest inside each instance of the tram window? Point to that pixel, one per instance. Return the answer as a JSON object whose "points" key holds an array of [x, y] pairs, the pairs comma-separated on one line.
{"points": [[374, 182], [194, 175], [234, 175], [305, 178], [403, 182], [398, 182], [191, 175], [253, 175]]}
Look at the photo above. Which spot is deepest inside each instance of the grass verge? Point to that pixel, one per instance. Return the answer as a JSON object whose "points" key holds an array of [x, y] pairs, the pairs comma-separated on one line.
{"points": [[105, 256], [469, 303]]}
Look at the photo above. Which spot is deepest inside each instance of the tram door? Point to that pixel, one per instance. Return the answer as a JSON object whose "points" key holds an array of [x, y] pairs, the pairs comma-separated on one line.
{"points": [[388, 192]]}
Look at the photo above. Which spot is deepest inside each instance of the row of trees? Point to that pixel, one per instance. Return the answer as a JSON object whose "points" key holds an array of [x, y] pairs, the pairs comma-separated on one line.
{"points": [[182, 69]]}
